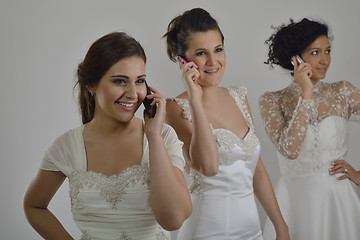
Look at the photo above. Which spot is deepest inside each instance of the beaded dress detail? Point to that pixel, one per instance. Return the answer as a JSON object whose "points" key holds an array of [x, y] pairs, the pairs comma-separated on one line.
{"points": [[110, 207], [308, 136], [224, 205]]}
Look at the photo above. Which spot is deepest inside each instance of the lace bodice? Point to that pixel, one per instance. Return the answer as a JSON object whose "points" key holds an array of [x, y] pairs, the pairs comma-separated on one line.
{"points": [[287, 116], [231, 147], [110, 207], [223, 205]]}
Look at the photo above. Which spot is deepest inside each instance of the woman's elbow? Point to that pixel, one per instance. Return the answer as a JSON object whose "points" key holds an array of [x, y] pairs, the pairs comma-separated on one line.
{"points": [[211, 167], [291, 155], [173, 223], [175, 220], [210, 171]]}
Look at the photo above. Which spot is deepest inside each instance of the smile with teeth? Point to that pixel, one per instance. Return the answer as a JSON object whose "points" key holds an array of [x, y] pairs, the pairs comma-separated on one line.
{"points": [[127, 105], [211, 71]]}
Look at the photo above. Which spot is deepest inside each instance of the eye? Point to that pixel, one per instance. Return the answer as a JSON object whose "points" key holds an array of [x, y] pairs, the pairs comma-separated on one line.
{"points": [[119, 81], [141, 80], [314, 53], [328, 51], [200, 53], [219, 49]]}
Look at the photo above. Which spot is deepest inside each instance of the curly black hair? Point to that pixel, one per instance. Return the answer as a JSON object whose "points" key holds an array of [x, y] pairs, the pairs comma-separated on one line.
{"points": [[292, 39]]}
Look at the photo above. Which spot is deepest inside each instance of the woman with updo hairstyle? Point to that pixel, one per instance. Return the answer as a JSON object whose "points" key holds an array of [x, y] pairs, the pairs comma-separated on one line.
{"points": [[125, 174], [318, 190], [220, 145]]}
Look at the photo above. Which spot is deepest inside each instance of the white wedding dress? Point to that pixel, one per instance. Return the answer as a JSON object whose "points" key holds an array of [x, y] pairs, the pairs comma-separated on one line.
{"points": [[315, 205], [224, 207], [110, 207]]}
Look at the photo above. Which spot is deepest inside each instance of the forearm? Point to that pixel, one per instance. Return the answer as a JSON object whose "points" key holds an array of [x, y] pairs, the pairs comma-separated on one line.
{"points": [[203, 149], [264, 192], [170, 198], [46, 224]]}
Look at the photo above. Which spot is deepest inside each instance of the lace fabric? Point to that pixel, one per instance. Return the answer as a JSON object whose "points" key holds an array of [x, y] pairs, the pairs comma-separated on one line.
{"points": [[110, 207], [287, 116], [111, 188], [160, 235], [225, 138], [224, 205]]}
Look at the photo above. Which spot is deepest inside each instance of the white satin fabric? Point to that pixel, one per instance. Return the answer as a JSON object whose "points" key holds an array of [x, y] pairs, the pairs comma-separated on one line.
{"points": [[315, 205], [224, 207]]}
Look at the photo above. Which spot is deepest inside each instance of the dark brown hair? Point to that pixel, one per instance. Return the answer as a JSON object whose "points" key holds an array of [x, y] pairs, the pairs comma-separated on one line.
{"points": [[102, 55], [179, 29]]}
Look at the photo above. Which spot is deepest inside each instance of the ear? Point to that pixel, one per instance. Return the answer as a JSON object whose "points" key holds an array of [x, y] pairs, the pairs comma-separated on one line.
{"points": [[91, 90]]}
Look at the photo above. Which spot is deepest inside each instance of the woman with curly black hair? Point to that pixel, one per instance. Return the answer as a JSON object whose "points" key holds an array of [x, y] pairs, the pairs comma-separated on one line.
{"points": [[318, 191]]}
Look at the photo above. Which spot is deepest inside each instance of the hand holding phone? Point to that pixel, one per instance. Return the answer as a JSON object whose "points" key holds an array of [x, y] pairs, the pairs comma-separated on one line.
{"points": [[298, 59], [150, 110], [182, 61]]}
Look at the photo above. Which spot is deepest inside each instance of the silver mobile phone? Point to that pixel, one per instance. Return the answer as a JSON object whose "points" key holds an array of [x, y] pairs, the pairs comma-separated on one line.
{"points": [[298, 58]]}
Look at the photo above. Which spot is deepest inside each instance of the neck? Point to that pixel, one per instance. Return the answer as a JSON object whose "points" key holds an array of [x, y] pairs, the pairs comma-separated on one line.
{"points": [[314, 82], [210, 93], [108, 127]]}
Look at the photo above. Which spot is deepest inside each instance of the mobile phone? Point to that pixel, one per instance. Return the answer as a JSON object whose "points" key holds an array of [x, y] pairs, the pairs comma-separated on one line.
{"points": [[182, 60], [150, 110], [298, 58]]}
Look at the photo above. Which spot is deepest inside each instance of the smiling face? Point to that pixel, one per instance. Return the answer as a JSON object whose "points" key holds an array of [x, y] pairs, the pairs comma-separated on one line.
{"points": [[318, 55], [206, 50], [121, 90]]}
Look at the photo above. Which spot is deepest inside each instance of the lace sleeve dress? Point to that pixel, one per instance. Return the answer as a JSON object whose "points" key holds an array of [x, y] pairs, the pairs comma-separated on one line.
{"points": [[308, 136]]}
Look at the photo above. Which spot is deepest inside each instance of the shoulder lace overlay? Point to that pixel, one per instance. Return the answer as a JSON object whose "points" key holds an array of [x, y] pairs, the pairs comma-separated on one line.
{"points": [[111, 187], [184, 104], [286, 115], [225, 138]]}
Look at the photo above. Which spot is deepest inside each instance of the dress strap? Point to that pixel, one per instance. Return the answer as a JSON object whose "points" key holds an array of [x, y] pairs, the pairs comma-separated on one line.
{"points": [[185, 106], [238, 93]]}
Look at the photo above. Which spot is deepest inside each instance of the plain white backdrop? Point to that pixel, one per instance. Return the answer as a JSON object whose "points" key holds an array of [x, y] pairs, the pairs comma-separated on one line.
{"points": [[42, 42]]}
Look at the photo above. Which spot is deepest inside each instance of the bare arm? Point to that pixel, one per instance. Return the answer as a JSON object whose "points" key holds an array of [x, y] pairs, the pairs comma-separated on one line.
{"points": [[170, 199], [265, 194], [37, 197], [200, 148]]}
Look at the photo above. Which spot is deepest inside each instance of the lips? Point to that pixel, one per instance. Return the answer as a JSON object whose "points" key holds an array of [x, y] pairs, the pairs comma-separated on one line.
{"points": [[212, 70], [126, 106], [323, 70]]}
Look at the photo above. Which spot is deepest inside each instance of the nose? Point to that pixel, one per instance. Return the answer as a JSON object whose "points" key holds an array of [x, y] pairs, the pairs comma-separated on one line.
{"points": [[211, 59], [131, 91], [325, 58]]}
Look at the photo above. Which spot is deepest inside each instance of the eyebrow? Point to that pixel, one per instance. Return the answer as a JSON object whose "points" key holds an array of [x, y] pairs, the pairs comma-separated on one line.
{"points": [[203, 49], [319, 48], [126, 77]]}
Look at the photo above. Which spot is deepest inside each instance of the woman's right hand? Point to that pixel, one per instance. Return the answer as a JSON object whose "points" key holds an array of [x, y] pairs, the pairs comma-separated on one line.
{"points": [[190, 75], [302, 75]]}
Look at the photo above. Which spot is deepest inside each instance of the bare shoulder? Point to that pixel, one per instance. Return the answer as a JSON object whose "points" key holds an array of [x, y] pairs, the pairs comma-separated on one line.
{"points": [[175, 107], [178, 114]]}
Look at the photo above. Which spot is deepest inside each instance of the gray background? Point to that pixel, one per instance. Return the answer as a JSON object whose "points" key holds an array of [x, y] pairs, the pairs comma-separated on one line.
{"points": [[43, 41]]}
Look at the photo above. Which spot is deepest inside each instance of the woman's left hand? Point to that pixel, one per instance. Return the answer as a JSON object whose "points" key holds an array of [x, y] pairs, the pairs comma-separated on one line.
{"points": [[341, 166], [154, 125]]}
